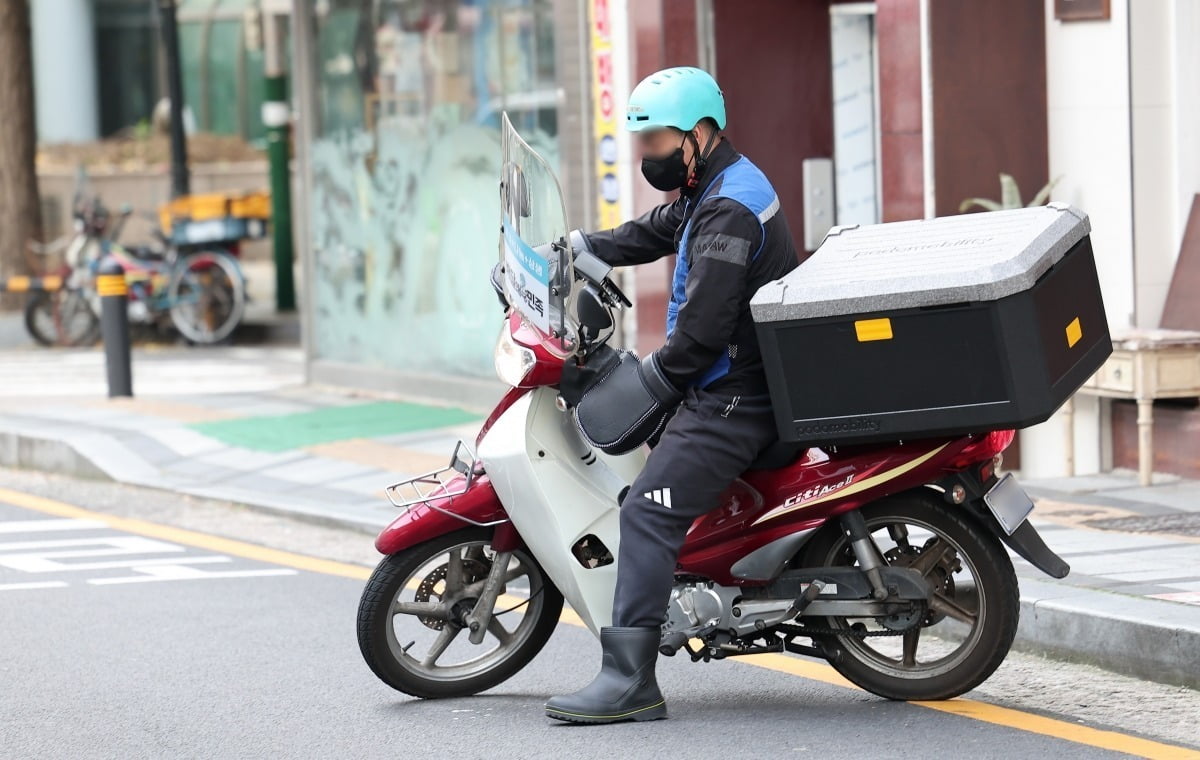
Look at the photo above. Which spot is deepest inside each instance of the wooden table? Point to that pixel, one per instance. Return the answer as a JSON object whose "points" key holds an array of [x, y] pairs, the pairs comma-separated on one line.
{"points": [[1146, 365]]}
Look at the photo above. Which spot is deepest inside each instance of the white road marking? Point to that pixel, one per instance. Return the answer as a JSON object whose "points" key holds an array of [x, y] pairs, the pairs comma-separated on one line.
{"points": [[132, 543], [188, 576], [34, 564], [40, 555], [34, 584], [39, 526]]}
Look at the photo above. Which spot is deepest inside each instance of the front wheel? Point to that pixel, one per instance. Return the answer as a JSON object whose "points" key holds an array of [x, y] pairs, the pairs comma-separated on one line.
{"points": [[412, 617], [939, 649]]}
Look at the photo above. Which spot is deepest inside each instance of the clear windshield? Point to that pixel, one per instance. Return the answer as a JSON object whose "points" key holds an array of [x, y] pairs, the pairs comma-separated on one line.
{"points": [[534, 244]]}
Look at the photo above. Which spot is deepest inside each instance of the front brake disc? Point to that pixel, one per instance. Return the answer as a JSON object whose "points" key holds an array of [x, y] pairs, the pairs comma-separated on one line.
{"points": [[473, 572]]}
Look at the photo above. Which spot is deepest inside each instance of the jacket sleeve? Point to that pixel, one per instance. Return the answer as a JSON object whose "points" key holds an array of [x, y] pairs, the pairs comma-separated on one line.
{"points": [[642, 240], [723, 240]]}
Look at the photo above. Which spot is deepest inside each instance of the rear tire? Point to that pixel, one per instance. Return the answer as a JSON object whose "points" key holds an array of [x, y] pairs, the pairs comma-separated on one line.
{"points": [[207, 294], [994, 592], [399, 573]]}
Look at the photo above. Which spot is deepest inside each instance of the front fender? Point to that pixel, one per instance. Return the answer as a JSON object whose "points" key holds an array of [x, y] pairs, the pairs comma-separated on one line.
{"points": [[421, 523]]}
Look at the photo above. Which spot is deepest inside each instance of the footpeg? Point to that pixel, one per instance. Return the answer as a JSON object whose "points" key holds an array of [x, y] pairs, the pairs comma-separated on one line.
{"points": [[672, 642]]}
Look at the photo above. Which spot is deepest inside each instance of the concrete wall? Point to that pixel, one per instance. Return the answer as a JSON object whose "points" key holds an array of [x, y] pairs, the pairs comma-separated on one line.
{"points": [[1088, 114], [1156, 229], [145, 191], [1124, 115]]}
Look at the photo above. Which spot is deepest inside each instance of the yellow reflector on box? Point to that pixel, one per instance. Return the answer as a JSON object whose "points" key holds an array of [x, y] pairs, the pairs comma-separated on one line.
{"points": [[873, 329], [1074, 332]]}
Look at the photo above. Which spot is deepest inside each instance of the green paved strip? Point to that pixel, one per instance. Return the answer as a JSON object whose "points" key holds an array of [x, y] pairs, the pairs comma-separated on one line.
{"points": [[338, 423]]}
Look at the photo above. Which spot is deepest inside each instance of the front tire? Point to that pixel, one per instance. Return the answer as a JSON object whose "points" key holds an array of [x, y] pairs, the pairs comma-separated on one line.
{"points": [[421, 595], [61, 317], [978, 612]]}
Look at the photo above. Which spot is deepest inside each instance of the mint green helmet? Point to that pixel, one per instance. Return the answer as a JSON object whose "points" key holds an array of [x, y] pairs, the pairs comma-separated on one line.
{"points": [[678, 97]]}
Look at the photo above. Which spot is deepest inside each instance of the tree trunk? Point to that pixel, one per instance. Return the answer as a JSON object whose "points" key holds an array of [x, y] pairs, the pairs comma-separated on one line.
{"points": [[20, 212]]}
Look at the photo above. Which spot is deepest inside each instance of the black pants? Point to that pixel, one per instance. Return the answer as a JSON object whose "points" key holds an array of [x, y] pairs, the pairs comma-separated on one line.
{"points": [[707, 444]]}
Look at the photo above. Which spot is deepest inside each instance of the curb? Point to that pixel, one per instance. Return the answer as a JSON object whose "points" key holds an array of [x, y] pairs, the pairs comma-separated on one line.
{"points": [[1133, 636], [95, 456]]}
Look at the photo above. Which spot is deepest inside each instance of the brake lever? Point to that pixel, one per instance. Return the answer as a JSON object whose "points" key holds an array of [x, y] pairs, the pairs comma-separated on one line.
{"points": [[616, 294]]}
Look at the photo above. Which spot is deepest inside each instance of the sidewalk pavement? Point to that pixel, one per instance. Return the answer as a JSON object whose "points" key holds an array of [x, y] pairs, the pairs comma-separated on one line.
{"points": [[226, 423], [237, 424]]}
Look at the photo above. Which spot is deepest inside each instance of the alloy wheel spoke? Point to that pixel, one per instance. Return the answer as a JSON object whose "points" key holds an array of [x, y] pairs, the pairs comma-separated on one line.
{"points": [[476, 588], [423, 609], [930, 556], [454, 572], [911, 638], [944, 605], [497, 629], [448, 634]]}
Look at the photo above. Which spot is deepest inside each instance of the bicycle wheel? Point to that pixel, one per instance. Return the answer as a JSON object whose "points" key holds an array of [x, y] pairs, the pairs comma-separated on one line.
{"points": [[207, 296], [61, 318]]}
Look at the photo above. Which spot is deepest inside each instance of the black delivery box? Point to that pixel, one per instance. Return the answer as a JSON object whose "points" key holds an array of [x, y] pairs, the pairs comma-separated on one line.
{"points": [[943, 326]]}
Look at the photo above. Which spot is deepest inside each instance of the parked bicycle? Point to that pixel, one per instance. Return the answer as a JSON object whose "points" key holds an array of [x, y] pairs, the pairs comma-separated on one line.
{"points": [[199, 288]]}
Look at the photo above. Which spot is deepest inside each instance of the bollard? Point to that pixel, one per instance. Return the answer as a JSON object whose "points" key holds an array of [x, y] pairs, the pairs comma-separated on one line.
{"points": [[114, 326]]}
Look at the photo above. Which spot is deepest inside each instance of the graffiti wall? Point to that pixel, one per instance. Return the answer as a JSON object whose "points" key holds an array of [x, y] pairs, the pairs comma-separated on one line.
{"points": [[405, 207]]}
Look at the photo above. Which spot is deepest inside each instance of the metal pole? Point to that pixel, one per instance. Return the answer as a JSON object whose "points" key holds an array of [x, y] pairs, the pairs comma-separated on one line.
{"points": [[276, 116], [170, 38], [114, 326], [308, 127]]}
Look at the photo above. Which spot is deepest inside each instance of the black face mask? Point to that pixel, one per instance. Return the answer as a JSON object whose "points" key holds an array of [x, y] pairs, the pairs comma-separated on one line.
{"points": [[667, 173]]}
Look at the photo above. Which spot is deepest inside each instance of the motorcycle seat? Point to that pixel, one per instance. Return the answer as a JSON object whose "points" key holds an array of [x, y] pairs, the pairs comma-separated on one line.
{"points": [[779, 454]]}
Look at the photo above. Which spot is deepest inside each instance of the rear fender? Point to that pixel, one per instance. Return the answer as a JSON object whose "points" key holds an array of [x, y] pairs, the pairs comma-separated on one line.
{"points": [[1025, 540], [423, 523]]}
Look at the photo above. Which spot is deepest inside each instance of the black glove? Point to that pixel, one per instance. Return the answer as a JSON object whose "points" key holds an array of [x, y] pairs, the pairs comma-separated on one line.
{"points": [[628, 405], [656, 381]]}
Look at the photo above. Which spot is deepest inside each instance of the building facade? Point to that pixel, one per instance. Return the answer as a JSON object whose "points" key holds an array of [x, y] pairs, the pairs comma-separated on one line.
{"points": [[859, 112]]}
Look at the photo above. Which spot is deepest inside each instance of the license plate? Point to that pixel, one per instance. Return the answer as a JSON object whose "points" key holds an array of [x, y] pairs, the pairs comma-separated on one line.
{"points": [[1009, 503]]}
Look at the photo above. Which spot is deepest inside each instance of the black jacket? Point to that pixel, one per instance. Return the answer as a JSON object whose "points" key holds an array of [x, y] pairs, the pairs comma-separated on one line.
{"points": [[715, 318]]}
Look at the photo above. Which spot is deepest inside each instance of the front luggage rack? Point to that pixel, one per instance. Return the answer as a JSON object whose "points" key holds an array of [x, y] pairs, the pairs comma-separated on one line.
{"points": [[436, 485]]}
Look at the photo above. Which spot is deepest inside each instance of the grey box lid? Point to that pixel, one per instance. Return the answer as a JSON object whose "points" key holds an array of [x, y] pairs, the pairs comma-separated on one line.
{"points": [[928, 262]]}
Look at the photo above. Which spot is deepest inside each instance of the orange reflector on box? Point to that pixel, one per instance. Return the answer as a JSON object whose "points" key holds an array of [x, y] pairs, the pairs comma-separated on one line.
{"points": [[873, 329], [1074, 332]]}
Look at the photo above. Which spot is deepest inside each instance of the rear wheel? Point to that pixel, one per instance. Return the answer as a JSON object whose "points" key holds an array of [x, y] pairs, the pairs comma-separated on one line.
{"points": [[207, 296], [953, 643], [412, 617]]}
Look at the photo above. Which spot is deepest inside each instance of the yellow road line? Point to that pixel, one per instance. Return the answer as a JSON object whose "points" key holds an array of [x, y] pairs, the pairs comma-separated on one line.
{"points": [[966, 708], [1059, 729]]}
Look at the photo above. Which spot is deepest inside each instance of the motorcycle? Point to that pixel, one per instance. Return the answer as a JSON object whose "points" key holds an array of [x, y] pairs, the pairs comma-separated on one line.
{"points": [[886, 560]]}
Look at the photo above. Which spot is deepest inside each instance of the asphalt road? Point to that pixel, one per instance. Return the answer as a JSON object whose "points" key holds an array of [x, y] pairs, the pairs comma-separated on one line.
{"points": [[131, 630]]}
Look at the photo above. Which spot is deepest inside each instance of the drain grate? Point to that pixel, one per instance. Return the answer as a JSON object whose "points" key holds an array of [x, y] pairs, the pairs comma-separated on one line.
{"points": [[1185, 524]]}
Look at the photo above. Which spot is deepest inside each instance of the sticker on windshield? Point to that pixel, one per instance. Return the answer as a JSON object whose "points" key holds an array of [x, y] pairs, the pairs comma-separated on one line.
{"points": [[528, 279]]}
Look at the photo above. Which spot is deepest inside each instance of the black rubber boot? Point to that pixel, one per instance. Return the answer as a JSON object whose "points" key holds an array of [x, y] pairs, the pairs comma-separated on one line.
{"points": [[625, 689]]}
